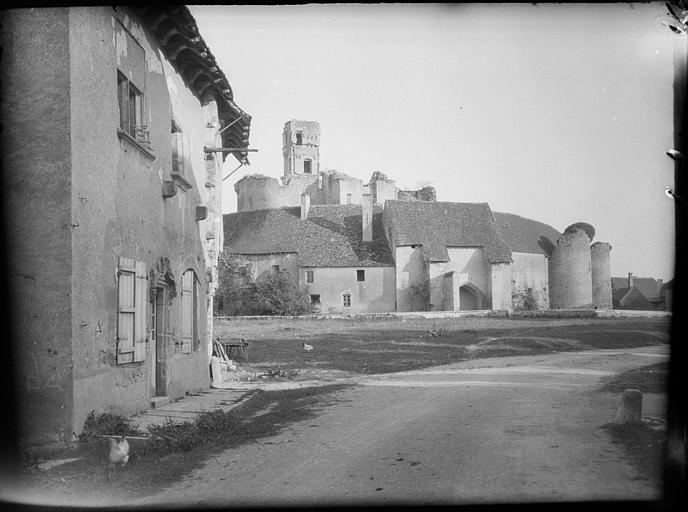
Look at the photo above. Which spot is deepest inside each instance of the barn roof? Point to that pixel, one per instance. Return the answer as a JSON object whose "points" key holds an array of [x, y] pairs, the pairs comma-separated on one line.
{"points": [[438, 225], [526, 235], [331, 236]]}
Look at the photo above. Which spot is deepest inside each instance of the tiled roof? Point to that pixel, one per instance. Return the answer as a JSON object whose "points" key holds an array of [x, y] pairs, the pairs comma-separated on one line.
{"points": [[438, 225], [526, 235], [177, 34], [331, 236], [648, 286]]}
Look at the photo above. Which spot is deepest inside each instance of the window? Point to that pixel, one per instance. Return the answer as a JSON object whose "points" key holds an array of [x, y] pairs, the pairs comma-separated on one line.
{"points": [[131, 86], [274, 270], [315, 299], [299, 138], [348, 199], [307, 166], [360, 275], [347, 300], [309, 276], [131, 311], [191, 312], [130, 108]]}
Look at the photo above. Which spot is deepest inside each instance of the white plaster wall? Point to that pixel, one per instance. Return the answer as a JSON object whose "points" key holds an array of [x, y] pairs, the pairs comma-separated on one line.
{"points": [[470, 266], [501, 286], [529, 271], [411, 271], [374, 295]]}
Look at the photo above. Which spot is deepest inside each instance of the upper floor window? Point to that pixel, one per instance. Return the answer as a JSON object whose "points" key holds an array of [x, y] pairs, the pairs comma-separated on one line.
{"points": [[274, 270], [131, 86], [309, 276], [360, 275], [299, 138], [307, 166], [130, 107]]}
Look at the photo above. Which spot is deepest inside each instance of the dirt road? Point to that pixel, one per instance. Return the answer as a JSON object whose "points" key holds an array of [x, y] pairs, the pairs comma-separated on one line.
{"points": [[502, 429]]}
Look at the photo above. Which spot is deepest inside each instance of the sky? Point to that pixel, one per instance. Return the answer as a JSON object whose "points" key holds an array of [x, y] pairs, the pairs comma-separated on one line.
{"points": [[561, 112]]}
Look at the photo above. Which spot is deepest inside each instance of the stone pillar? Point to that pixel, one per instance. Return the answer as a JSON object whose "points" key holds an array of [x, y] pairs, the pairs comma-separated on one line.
{"points": [[601, 275], [631, 407]]}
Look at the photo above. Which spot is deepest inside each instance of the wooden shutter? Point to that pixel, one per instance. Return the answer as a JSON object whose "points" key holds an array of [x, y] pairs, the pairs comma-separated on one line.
{"points": [[187, 311], [131, 311], [141, 300], [126, 310]]}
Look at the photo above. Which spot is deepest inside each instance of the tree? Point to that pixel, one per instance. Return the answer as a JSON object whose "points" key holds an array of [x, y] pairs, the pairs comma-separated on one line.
{"points": [[275, 294]]}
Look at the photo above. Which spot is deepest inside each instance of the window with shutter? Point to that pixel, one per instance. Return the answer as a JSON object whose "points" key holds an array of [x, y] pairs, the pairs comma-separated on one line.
{"points": [[131, 311]]}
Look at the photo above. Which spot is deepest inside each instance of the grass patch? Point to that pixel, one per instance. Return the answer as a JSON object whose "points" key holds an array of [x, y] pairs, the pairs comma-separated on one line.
{"points": [[643, 445], [383, 345], [648, 379]]}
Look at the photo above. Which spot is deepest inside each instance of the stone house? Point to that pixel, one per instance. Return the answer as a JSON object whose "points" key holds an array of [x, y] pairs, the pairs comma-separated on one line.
{"points": [[322, 248], [433, 256], [114, 209], [635, 292]]}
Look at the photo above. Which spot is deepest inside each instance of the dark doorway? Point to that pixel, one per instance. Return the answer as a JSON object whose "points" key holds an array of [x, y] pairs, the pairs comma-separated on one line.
{"points": [[162, 318]]}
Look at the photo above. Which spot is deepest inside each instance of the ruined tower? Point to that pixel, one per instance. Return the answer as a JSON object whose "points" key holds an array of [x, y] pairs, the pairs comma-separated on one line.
{"points": [[301, 147]]}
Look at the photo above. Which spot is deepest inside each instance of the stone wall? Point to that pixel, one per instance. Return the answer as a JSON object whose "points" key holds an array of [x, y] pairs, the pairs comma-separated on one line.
{"points": [[500, 286], [530, 284], [256, 192], [36, 183]]}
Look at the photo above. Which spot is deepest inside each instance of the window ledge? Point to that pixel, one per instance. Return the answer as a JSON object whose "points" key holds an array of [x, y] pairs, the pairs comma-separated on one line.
{"points": [[181, 182], [131, 140]]}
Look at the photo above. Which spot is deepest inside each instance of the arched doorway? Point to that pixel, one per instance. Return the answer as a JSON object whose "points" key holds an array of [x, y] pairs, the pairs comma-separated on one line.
{"points": [[469, 298]]}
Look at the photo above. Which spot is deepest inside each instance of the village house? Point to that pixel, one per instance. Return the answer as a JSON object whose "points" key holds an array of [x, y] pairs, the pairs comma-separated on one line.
{"points": [[113, 117], [371, 247], [644, 293]]}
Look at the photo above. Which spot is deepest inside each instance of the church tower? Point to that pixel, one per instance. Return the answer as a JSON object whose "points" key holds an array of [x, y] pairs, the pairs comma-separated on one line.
{"points": [[301, 147]]}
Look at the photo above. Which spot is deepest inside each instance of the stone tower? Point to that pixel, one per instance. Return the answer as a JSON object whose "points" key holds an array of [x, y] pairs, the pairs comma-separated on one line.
{"points": [[301, 147]]}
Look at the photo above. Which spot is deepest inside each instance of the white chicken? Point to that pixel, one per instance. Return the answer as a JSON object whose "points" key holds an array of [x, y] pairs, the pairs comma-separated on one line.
{"points": [[119, 454], [307, 347]]}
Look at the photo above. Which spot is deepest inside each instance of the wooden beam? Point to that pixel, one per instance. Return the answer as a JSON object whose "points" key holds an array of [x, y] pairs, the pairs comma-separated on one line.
{"points": [[228, 150]]}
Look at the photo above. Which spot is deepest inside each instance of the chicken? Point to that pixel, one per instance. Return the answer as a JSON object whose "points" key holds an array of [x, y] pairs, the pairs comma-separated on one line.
{"points": [[119, 454], [307, 347]]}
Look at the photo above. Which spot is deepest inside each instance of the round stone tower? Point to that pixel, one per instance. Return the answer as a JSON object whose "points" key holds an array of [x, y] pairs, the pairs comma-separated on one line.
{"points": [[601, 275], [570, 276]]}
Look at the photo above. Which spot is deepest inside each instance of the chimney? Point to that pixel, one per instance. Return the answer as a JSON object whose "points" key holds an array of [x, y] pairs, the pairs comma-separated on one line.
{"points": [[305, 205], [367, 217], [630, 279]]}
